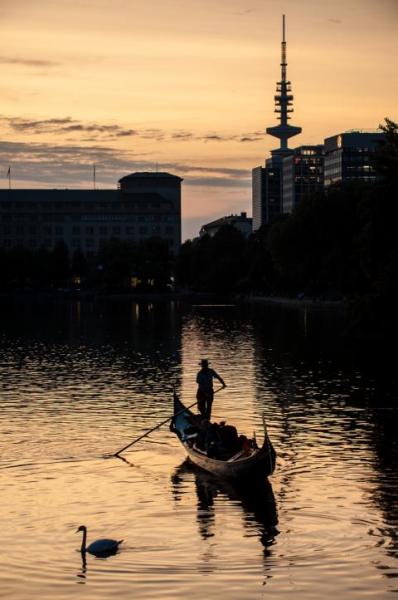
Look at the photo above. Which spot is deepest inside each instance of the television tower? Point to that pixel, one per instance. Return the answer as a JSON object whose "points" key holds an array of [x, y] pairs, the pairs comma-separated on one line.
{"points": [[283, 105]]}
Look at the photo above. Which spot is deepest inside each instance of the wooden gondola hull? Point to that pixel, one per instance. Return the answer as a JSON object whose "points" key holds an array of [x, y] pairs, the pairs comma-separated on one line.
{"points": [[260, 462]]}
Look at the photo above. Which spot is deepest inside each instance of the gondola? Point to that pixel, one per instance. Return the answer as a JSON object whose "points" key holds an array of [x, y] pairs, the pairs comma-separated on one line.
{"points": [[234, 463]]}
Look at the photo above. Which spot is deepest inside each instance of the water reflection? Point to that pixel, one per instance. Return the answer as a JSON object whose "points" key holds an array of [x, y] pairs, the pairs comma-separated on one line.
{"points": [[384, 493], [81, 575], [80, 380], [254, 496]]}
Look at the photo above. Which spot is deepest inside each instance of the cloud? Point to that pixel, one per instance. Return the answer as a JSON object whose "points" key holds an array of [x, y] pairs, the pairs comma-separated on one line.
{"points": [[337, 21], [252, 137], [245, 137], [64, 165], [152, 134], [71, 165], [213, 138], [66, 125], [222, 171], [107, 132], [219, 182], [27, 62], [182, 135], [247, 11]]}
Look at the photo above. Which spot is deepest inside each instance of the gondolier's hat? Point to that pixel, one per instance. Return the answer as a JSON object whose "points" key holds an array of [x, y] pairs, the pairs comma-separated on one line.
{"points": [[204, 362]]}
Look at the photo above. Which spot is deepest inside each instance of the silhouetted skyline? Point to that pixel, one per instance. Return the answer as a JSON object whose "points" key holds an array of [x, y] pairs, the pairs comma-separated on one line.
{"points": [[132, 86]]}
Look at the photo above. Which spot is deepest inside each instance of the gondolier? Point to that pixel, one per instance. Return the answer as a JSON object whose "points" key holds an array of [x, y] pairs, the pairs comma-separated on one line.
{"points": [[205, 392]]}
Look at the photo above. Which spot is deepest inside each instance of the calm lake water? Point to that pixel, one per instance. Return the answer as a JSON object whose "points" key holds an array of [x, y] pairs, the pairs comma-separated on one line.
{"points": [[81, 380]]}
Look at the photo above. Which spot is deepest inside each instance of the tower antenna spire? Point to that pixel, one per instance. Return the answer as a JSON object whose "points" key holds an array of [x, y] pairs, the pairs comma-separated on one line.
{"points": [[283, 102]]}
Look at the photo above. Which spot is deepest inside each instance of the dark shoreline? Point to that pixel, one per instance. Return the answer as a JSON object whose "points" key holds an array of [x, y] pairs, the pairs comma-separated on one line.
{"points": [[188, 296], [305, 302], [90, 295]]}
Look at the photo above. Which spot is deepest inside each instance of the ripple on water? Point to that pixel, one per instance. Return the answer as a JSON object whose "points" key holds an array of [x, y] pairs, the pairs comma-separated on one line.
{"points": [[327, 525]]}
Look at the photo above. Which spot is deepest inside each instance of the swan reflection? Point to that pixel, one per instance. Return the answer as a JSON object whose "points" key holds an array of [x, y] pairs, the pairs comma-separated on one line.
{"points": [[81, 575]]}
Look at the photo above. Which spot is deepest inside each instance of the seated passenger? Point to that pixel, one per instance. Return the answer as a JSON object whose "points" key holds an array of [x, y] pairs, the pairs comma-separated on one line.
{"points": [[244, 445], [213, 440], [200, 441], [229, 437]]}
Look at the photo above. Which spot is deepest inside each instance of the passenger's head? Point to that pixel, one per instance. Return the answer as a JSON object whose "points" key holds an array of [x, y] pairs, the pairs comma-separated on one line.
{"points": [[204, 363]]}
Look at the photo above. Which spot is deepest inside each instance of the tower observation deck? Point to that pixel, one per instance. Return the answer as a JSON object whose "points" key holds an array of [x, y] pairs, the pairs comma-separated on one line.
{"points": [[283, 105]]}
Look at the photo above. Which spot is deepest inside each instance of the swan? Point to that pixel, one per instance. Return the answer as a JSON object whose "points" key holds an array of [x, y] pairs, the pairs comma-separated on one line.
{"points": [[103, 547]]}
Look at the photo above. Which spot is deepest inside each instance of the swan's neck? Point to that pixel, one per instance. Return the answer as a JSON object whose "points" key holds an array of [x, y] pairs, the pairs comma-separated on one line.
{"points": [[83, 548]]}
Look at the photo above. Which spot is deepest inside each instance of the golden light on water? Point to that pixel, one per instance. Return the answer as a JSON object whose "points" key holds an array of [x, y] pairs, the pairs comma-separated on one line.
{"points": [[78, 384]]}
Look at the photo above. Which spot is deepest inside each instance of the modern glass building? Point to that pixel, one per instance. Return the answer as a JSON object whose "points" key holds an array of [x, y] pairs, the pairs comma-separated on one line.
{"points": [[266, 192], [258, 196], [302, 174], [348, 156], [273, 204]]}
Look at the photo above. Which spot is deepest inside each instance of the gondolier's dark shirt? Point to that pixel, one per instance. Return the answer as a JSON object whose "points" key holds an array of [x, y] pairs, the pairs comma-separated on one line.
{"points": [[204, 379]]}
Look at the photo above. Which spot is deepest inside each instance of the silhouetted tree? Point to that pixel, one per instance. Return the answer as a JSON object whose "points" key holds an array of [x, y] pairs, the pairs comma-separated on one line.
{"points": [[184, 270], [154, 269], [116, 262], [386, 158], [79, 266], [213, 264], [59, 269], [258, 274], [20, 267]]}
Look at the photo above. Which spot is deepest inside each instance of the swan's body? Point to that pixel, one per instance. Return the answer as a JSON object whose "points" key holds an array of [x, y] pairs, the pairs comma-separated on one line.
{"points": [[103, 547]]}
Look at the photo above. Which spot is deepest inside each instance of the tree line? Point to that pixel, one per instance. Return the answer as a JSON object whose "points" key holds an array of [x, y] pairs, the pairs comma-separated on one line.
{"points": [[118, 266], [341, 243]]}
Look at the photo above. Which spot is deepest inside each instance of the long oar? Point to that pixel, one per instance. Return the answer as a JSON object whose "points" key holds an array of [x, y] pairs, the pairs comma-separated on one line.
{"points": [[157, 426], [150, 430]]}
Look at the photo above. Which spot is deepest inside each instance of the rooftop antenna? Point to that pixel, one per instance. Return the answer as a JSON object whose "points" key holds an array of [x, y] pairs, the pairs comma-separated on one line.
{"points": [[94, 186], [283, 102]]}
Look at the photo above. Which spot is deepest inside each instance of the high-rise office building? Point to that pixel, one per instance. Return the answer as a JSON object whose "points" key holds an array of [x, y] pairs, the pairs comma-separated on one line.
{"points": [[348, 156], [258, 197], [273, 188], [302, 174], [271, 199]]}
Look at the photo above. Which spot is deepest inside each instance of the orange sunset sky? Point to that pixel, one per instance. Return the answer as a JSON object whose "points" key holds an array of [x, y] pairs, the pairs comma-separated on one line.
{"points": [[184, 86]]}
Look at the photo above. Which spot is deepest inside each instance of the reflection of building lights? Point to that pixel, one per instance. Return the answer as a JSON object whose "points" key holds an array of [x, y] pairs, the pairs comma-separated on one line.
{"points": [[77, 280]]}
